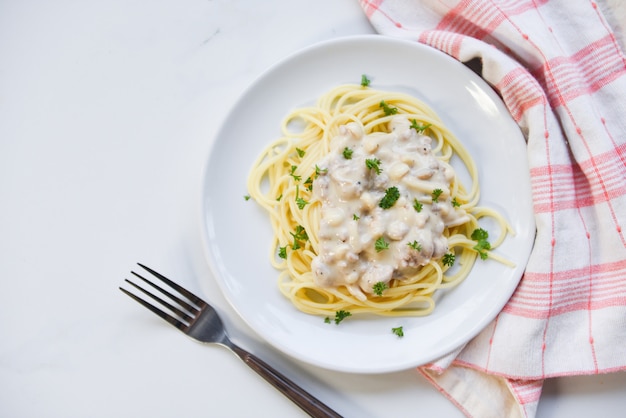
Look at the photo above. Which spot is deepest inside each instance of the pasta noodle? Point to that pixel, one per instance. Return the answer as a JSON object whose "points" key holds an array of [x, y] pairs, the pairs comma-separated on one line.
{"points": [[288, 175]]}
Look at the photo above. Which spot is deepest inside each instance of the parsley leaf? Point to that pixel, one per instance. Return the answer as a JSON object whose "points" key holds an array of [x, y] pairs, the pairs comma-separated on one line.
{"points": [[356, 217], [327, 320], [381, 245], [415, 245], [298, 235], [373, 164], [417, 206], [247, 197], [448, 259], [308, 184], [379, 287], [419, 128], [341, 315], [282, 252], [347, 153], [392, 194], [398, 331], [293, 170], [364, 80], [319, 171], [388, 109], [300, 152], [455, 203], [479, 234], [482, 245], [301, 203], [436, 193]]}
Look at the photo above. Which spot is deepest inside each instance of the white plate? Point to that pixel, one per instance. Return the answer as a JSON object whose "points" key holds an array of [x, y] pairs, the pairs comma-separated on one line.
{"points": [[237, 232]]}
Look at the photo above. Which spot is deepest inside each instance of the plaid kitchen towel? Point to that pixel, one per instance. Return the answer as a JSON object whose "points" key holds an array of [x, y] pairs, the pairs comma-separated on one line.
{"points": [[560, 70]]}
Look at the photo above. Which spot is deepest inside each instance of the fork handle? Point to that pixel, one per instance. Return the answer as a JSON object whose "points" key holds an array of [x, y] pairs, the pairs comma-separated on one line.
{"points": [[309, 404]]}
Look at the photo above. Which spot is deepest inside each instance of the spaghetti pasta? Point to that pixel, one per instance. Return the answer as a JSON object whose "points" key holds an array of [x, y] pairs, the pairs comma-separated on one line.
{"points": [[323, 182]]}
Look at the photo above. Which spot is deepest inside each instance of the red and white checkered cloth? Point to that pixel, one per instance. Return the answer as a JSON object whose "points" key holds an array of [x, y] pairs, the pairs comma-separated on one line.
{"points": [[562, 74]]}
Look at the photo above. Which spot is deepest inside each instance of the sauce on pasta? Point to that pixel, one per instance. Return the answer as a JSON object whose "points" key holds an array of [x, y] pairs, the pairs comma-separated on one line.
{"points": [[365, 240]]}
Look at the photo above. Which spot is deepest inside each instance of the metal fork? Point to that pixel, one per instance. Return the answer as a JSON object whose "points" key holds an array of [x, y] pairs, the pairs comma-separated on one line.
{"points": [[200, 321]]}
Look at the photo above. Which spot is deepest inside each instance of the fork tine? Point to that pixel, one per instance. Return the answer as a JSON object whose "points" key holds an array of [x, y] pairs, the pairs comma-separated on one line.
{"points": [[186, 316], [191, 309], [178, 324], [193, 298]]}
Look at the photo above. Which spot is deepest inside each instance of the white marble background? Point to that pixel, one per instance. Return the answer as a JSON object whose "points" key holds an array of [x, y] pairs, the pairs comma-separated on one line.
{"points": [[107, 112]]}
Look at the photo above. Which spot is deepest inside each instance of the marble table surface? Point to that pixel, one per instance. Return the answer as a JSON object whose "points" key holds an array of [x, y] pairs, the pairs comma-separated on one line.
{"points": [[107, 113]]}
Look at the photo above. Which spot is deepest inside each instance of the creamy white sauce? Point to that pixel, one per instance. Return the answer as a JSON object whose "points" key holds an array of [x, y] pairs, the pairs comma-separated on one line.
{"points": [[352, 220]]}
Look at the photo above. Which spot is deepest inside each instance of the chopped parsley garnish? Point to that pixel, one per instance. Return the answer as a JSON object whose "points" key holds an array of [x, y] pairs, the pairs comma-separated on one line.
{"points": [[356, 217], [373, 164], [292, 173], [455, 202], [300, 152], [482, 245], [388, 109], [379, 288], [417, 206], [282, 252], [448, 259], [436, 193], [247, 197], [392, 194], [279, 197], [415, 245], [381, 245], [298, 235], [308, 184], [300, 201], [398, 331], [319, 171], [479, 234], [347, 153], [364, 80], [419, 128], [339, 316]]}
